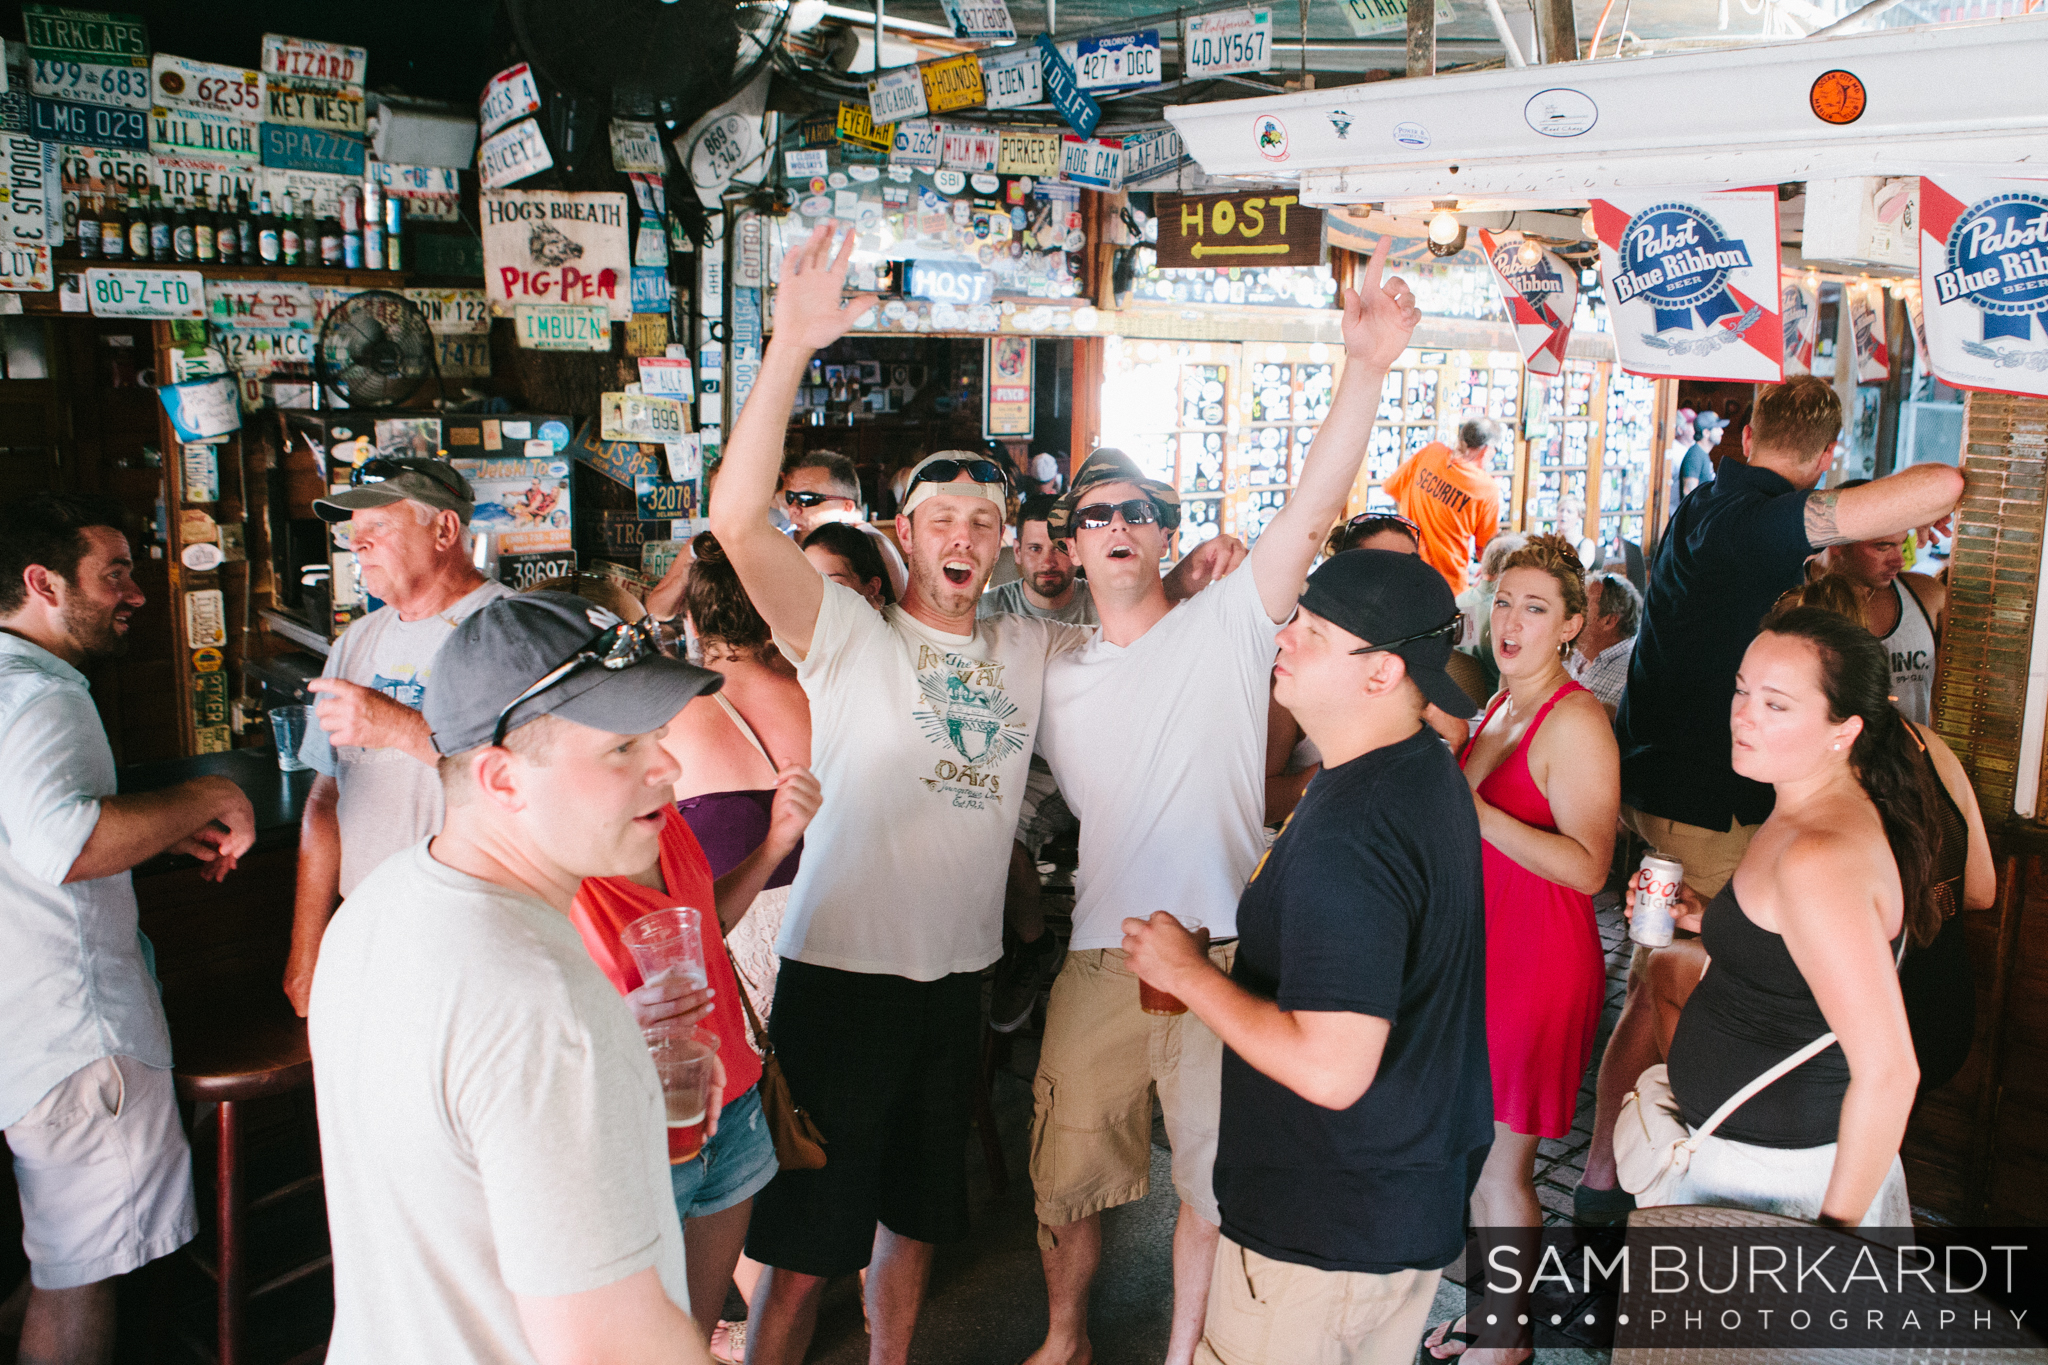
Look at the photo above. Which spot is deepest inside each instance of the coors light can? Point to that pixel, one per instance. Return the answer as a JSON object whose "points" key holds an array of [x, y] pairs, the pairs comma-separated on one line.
{"points": [[1656, 900]]}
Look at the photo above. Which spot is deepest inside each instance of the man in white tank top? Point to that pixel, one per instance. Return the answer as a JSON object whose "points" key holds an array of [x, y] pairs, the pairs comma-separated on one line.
{"points": [[1902, 609]]}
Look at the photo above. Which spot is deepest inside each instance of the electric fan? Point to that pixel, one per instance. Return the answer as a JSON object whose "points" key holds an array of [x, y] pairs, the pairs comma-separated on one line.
{"points": [[376, 350]]}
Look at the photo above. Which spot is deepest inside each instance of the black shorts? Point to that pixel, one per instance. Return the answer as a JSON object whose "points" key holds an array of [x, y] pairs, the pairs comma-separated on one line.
{"points": [[887, 1067]]}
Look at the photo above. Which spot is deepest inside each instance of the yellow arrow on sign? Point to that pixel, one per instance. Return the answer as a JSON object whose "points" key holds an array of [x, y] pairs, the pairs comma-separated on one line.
{"points": [[1201, 249]]}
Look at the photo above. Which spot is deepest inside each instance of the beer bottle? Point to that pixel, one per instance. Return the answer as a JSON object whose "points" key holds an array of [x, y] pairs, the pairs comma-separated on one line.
{"points": [[330, 242], [89, 221], [309, 232], [138, 226], [204, 241], [113, 228], [394, 229], [159, 227], [227, 238], [266, 232], [184, 243], [245, 228], [290, 233]]}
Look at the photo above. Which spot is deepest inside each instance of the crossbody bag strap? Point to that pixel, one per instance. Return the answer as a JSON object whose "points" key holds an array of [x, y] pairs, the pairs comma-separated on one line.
{"points": [[759, 1030]]}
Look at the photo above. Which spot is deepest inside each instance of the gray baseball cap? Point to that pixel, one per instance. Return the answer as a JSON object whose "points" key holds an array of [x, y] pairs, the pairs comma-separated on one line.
{"points": [[503, 650], [381, 481]]}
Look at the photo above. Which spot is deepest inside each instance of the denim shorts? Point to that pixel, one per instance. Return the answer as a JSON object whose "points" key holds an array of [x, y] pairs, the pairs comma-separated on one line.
{"points": [[734, 1165]]}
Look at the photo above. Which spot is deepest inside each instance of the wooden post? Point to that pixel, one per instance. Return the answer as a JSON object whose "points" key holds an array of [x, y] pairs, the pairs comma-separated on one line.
{"points": [[1557, 30], [1087, 424], [1422, 37]]}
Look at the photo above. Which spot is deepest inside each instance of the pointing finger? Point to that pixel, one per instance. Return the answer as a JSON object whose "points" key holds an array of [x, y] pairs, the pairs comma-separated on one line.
{"points": [[1377, 263]]}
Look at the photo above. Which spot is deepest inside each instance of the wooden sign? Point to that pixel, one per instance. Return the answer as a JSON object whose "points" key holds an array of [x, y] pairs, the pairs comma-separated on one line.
{"points": [[1254, 228]]}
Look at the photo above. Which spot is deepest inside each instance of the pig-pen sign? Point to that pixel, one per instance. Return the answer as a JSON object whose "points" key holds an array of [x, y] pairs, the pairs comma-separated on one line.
{"points": [[549, 247], [1255, 228]]}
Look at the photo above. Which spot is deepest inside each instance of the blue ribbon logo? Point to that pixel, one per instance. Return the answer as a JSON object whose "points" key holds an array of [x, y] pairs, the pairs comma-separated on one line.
{"points": [[1997, 260], [1538, 284], [1676, 256]]}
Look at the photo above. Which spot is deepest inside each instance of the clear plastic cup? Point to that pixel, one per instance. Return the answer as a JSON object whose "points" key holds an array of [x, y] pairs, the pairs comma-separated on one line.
{"points": [[288, 727], [683, 1056], [1151, 999], [668, 941]]}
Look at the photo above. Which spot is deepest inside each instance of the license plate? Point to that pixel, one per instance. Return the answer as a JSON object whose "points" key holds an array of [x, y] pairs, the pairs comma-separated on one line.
{"points": [[562, 326], [511, 94], [116, 87], [659, 499], [305, 59], [664, 376], [1033, 154], [231, 90], [88, 125], [1011, 77], [854, 125], [988, 20], [1369, 17], [1234, 41], [916, 144], [969, 149], [520, 572], [263, 305], [514, 154], [1098, 164], [26, 196], [465, 357], [954, 83], [637, 147], [25, 269], [1148, 153], [641, 417], [259, 350], [453, 312], [178, 130], [1117, 60], [146, 293], [86, 33], [897, 94], [312, 149], [310, 104], [1063, 87]]}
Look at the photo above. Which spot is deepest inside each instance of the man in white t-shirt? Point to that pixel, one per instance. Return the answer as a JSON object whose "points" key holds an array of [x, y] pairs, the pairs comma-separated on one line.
{"points": [[922, 722], [1156, 734], [492, 1130], [376, 792]]}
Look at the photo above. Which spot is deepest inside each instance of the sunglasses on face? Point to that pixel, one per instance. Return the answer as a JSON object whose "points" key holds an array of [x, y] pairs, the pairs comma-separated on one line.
{"points": [[1136, 512], [1447, 628], [621, 646], [945, 471], [390, 467], [798, 498]]}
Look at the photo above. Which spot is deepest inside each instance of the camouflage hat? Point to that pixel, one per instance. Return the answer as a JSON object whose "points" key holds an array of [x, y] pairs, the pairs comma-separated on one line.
{"points": [[1110, 465]]}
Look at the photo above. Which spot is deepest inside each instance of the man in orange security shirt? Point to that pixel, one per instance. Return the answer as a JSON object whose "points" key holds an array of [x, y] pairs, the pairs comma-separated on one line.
{"points": [[1449, 494]]}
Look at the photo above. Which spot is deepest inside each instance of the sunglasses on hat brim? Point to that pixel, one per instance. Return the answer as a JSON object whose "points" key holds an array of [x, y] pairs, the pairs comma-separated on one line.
{"points": [[945, 471], [390, 467], [1446, 628], [618, 647]]}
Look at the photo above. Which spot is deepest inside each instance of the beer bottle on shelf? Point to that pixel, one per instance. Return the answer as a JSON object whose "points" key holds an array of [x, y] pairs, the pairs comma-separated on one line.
{"points": [[204, 242], [89, 222], [113, 228], [352, 228], [245, 228], [227, 238], [184, 242], [290, 230], [394, 229], [330, 242], [138, 226], [159, 226], [309, 232], [267, 247]]}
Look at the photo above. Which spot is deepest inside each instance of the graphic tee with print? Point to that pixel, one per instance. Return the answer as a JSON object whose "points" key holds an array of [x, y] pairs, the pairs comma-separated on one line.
{"points": [[1457, 506], [1159, 747], [921, 741], [388, 800]]}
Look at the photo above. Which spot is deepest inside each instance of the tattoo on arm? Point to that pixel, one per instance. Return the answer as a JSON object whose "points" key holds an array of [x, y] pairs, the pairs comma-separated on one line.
{"points": [[1820, 519]]}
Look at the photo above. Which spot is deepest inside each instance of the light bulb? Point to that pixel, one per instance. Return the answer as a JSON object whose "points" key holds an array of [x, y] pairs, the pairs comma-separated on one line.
{"points": [[1529, 253], [1443, 229]]}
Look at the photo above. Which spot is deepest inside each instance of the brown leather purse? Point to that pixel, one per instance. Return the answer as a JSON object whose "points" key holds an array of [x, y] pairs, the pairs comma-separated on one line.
{"points": [[799, 1146]]}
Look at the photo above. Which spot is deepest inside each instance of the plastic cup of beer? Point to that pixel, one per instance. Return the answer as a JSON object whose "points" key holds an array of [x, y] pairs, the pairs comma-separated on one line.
{"points": [[1151, 999], [683, 1059], [668, 941]]}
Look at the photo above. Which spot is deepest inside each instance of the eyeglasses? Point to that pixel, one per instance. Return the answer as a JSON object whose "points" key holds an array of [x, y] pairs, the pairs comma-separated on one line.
{"points": [[390, 467], [619, 647], [799, 498], [1446, 628], [1135, 512], [945, 471]]}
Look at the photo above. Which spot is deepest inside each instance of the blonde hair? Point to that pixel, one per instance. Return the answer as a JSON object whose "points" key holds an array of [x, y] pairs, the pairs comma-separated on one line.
{"points": [[1554, 555], [1828, 590]]}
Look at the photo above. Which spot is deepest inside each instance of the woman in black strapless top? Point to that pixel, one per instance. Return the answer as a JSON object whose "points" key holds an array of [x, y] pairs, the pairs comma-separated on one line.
{"points": [[1805, 939]]}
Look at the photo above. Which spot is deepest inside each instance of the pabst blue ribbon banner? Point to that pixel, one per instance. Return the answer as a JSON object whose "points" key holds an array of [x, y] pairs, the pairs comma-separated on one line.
{"points": [[1866, 323], [1540, 299], [1984, 282], [1799, 307], [1690, 283]]}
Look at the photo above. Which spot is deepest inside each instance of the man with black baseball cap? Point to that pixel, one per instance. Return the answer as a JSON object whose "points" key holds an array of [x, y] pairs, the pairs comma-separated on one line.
{"points": [[1357, 1102], [375, 792], [491, 1127]]}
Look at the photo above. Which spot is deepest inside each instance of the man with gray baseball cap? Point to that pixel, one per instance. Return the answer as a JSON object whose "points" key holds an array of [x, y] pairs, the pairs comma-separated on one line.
{"points": [[491, 1127], [375, 794]]}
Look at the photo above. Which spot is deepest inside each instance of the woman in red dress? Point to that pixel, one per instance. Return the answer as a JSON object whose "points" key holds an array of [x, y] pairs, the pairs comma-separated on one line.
{"points": [[1546, 778]]}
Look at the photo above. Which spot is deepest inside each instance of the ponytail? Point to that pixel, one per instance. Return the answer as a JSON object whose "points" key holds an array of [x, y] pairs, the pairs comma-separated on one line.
{"points": [[1855, 677]]}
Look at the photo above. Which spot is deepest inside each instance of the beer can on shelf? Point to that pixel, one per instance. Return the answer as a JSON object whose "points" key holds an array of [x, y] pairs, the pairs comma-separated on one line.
{"points": [[1656, 909]]}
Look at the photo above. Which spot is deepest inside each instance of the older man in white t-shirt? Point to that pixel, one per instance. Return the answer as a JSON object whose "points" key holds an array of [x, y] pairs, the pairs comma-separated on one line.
{"points": [[1156, 733]]}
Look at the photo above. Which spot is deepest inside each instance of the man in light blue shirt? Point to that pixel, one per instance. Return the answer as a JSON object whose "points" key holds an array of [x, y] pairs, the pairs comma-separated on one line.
{"points": [[85, 1087]]}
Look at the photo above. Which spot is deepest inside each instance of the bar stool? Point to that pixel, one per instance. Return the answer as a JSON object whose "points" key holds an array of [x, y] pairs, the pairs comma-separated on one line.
{"points": [[241, 1043]]}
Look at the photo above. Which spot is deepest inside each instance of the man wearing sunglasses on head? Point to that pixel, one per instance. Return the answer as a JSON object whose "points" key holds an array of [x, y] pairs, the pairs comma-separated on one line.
{"points": [[1156, 734], [821, 486], [922, 723], [376, 792]]}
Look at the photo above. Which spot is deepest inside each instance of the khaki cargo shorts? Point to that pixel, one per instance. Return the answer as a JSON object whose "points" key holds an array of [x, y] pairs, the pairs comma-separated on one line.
{"points": [[1268, 1312], [1091, 1126]]}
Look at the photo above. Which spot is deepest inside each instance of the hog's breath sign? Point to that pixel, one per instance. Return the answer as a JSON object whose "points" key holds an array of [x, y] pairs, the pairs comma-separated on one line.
{"points": [[1690, 282], [551, 247], [1254, 228], [1984, 282]]}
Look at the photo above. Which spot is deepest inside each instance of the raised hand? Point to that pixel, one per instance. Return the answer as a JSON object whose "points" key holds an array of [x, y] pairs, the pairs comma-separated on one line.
{"points": [[809, 309], [1379, 318]]}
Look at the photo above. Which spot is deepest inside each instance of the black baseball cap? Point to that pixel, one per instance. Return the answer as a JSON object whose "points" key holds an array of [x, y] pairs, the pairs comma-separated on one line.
{"points": [[1384, 595], [384, 480], [512, 643]]}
